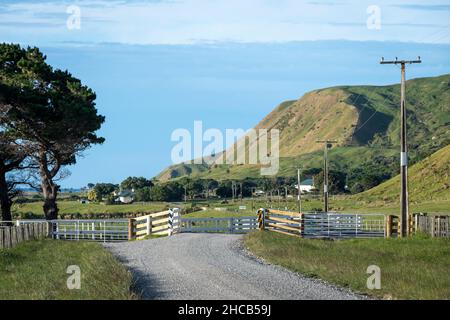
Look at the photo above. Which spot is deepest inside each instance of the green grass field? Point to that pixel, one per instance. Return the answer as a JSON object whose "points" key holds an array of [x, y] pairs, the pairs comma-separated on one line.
{"points": [[337, 203], [218, 214], [415, 268], [37, 270], [73, 207]]}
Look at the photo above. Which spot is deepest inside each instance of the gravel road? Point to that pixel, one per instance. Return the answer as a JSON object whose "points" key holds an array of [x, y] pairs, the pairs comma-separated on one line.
{"points": [[213, 266]]}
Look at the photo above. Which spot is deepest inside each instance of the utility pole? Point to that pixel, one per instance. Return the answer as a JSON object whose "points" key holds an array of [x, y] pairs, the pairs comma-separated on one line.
{"points": [[286, 197], [327, 144], [241, 192], [299, 196], [233, 189], [404, 202]]}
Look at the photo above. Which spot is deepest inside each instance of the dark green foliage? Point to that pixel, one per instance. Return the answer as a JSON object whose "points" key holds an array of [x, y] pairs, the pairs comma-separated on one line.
{"points": [[135, 183], [336, 180], [143, 194], [104, 189], [160, 193]]}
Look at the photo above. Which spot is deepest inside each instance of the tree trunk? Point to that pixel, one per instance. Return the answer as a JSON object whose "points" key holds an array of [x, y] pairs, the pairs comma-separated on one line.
{"points": [[49, 188], [5, 201], [50, 207]]}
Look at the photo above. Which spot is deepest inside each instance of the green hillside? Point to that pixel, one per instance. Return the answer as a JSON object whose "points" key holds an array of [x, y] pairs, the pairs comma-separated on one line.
{"points": [[429, 180], [363, 119]]}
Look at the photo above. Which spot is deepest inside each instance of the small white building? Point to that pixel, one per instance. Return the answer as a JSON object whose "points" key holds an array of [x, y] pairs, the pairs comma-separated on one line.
{"points": [[125, 196], [259, 193], [306, 186]]}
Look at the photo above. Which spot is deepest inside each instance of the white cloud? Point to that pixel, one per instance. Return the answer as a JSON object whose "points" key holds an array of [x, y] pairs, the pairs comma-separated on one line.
{"points": [[175, 22]]}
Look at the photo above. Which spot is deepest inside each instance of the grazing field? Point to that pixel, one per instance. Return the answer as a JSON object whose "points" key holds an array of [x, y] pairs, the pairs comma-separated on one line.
{"points": [[37, 270], [415, 268], [218, 214], [337, 203], [74, 207]]}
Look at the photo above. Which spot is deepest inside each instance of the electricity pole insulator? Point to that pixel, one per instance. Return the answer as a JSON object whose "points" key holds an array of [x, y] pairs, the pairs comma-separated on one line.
{"points": [[327, 144], [404, 201]]}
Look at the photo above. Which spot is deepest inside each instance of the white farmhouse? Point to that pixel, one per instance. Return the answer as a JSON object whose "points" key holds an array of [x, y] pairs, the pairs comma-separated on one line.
{"points": [[306, 185], [125, 196]]}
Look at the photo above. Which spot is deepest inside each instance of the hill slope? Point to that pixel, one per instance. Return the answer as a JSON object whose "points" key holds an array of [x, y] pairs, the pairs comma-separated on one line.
{"points": [[429, 180], [363, 119]]}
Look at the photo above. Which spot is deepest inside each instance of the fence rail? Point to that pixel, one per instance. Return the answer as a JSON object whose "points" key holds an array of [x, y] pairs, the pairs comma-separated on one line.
{"points": [[219, 225], [13, 233]]}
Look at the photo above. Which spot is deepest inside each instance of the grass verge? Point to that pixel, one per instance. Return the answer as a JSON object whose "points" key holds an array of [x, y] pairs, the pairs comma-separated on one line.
{"points": [[415, 268], [37, 270]]}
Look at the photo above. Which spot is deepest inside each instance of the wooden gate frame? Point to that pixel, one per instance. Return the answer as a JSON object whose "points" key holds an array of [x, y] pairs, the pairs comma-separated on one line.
{"points": [[164, 223], [285, 222]]}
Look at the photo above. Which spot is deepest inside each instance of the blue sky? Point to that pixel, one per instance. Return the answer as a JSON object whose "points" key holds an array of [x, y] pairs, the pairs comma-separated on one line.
{"points": [[159, 65]]}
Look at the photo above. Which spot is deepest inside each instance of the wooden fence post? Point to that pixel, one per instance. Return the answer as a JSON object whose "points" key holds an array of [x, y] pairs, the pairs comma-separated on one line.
{"points": [[13, 236], [230, 225], [388, 226], [302, 225], [438, 227], [2, 242], [261, 219], [19, 234], [411, 226], [7, 237], [432, 226], [170, 222], [149, 225], [131, 234]]}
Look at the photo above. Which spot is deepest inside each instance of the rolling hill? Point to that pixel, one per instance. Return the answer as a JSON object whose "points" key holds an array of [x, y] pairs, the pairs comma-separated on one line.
{"points": [[429, 180], [363, 119]]}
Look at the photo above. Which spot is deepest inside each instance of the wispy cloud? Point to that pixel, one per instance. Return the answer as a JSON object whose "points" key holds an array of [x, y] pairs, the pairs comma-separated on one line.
{"points": [[427, 7], [190, 21]]}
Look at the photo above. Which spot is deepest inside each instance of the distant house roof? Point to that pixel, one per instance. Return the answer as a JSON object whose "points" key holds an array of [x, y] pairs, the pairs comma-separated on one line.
{"points": [[307, 182]]}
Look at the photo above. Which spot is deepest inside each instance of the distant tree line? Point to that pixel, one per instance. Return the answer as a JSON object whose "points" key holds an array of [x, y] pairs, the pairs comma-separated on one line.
{"points": [[342, 181]]}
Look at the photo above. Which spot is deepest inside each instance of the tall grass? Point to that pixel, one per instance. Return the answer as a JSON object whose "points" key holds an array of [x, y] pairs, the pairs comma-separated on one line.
{"points": [[415, 268], [37, 270]]}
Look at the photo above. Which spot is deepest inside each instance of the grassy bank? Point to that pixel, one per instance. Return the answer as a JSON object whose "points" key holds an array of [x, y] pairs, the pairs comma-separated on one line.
{"points": [[37, 270], [416, 268]]}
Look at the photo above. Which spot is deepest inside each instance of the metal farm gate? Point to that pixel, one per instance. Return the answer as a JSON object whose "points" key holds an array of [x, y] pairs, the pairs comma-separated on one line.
{"points": [[322, 225], [219, 225]]}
